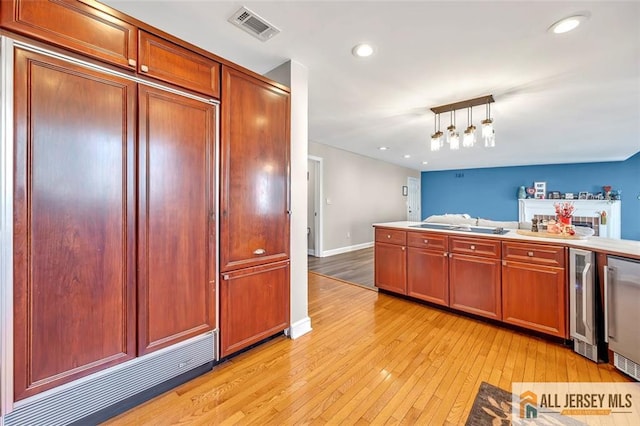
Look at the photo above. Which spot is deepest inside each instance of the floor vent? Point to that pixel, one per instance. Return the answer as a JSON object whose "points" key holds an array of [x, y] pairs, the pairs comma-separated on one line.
{"points": [[627, 366], [104, 389], [586, 350], [253, 24]]}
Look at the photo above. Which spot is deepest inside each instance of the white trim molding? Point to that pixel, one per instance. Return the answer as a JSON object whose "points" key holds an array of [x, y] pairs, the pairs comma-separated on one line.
{"points": [[346, 249], [299, 328]]}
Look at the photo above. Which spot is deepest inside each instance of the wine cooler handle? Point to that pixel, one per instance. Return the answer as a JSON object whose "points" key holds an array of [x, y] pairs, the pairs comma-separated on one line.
{"points": [[585, 287], [606, 303]]}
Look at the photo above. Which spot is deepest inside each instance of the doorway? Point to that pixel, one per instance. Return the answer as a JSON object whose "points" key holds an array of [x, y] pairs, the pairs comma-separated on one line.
{"points": [[314, 206], [413, 200]]}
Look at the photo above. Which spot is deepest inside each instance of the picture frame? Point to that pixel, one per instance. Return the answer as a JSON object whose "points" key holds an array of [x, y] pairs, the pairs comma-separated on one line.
{"points": [[568, 196], [541, 189], [405, 190], [583, 195]]}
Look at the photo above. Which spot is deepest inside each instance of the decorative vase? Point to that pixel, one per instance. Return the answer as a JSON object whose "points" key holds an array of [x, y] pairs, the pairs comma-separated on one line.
{"points": [[564, 220], [522, 193]]}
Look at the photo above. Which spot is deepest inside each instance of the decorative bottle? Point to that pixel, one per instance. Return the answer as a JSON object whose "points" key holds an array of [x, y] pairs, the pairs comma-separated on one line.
{"points": [[522, 193]]}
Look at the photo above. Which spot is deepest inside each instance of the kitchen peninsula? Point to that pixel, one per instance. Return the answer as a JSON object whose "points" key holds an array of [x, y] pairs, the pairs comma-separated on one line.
{"points": [[516, 279]]}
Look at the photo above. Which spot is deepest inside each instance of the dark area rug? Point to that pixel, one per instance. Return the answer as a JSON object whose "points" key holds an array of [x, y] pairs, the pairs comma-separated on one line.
{"points": [[492, 406]]}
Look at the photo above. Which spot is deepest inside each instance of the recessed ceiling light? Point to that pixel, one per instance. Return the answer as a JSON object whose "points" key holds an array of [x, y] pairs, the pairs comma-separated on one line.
{"points": [[362, 50], [569, 23], [406, 156], [425, 162], [383, 148]]}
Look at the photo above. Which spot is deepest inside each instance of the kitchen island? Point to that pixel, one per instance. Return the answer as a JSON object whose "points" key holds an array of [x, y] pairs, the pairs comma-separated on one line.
{"points": [[498, 274]]}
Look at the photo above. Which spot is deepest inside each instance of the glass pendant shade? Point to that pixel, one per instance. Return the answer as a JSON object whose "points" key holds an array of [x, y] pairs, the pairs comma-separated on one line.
{"points": [[436, 138], [436, 141], [452, 133], [454, 141], [488, 133], [469, 137]]}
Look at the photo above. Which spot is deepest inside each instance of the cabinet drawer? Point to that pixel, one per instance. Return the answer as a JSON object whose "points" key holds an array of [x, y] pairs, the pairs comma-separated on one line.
{"points": [[391, 236], [75, 26], [475, 246], [174, 64], [428, 241], [534, 253]]}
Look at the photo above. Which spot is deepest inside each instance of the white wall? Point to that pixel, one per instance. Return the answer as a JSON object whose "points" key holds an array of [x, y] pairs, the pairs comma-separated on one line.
{"points": [[296, 76], [358, 191]]}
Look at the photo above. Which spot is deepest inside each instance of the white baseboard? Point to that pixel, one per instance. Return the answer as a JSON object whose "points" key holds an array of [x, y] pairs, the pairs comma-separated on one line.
{"points": [[299, 328], [347, 249], [311, 252]]}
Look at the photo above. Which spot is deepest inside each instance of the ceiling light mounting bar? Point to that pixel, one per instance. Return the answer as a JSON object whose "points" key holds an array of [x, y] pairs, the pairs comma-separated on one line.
{"points": [[482, 100]]}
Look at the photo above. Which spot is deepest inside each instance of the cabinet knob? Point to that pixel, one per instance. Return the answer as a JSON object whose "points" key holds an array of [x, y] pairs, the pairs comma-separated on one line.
{"points": [[426, 241], [530, 254], [132, 62], [259, 251], [504, 263], [472, 247], [388, 236], [144, 68], [402, 248], [445, 254]]}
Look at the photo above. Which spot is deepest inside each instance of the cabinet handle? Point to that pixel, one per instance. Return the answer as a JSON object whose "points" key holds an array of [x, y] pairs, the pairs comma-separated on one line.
{"points": [[445, 254], [402, 248], [388, 236], [259, 251], [472, 247], [504, 263], [530, 254], [144, 68], [132, 62], [426, 241]]}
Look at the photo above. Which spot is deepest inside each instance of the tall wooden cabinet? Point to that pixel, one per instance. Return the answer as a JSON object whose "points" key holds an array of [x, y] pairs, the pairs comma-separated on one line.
{"points": [[176, 218], [90, 277], [254, 210], [74, 222]]}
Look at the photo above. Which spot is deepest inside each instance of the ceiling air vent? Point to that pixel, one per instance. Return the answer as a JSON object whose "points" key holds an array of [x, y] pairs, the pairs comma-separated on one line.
{"points": [[253, 24]]}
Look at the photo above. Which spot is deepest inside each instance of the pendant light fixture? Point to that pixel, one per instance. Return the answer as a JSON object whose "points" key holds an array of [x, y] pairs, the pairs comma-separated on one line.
{"points": [[488, 132], [436, 137], [469, 138], [453, 137]]}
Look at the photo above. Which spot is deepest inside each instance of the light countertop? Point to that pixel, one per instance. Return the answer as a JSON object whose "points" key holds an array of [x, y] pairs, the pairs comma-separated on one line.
{"points": [[626, 248]]}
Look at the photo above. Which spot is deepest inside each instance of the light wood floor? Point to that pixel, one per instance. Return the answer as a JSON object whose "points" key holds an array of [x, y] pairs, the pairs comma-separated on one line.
{"points": [[354, 267], [370, 359]]}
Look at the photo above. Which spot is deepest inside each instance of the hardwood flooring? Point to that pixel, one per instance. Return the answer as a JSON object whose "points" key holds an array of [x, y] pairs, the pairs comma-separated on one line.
{"points": [[370, 359], [353, 267]]}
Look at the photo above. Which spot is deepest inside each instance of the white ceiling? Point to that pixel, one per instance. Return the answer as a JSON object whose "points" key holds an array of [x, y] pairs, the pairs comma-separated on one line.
{"points": [[564, 98]]}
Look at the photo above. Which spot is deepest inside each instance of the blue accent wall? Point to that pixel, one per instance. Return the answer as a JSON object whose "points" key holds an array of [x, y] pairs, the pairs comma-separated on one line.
{"points": [[492, 193]]}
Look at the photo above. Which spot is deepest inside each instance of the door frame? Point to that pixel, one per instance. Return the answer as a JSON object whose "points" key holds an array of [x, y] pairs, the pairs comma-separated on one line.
{"points": [[318, 202]]}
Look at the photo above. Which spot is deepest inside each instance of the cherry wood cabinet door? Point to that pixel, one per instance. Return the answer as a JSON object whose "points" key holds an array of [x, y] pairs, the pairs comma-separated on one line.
{"points": [[474, 285], [176, 258], [535, 297], [428, 275], [254, 304], [254, 200], [74, 222], [390, 266], [174, 64], [76, 26]]}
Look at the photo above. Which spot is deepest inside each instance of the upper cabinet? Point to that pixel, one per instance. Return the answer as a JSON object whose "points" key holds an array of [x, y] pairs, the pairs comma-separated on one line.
{"points": [[254, 201], [76, 26], [174, 64], [89, 28]]}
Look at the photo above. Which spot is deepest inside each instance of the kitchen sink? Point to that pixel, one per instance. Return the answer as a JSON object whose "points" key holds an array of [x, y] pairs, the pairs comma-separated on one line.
{"points": [[463, 228]]}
